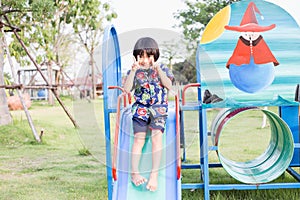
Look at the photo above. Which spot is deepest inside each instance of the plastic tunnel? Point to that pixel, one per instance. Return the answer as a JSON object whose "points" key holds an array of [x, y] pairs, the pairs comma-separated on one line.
{"points": [[271, 163], [169, 187]]}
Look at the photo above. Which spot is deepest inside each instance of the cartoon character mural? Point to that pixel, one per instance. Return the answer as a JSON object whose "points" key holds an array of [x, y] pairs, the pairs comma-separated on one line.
{"points": [[251, 66], [250, 78]]}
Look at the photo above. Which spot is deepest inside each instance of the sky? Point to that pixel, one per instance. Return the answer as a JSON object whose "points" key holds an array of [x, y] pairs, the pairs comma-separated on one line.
{"points": [[137, 14]]}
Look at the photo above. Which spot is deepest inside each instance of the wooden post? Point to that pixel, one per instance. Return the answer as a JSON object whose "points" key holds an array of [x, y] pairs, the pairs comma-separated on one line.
{"points": [[93, 90], [39, 70], [49, 72], [45, 79], [29, 119]]}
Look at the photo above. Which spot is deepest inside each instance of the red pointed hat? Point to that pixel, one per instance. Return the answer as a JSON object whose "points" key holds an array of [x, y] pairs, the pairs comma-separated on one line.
{"points": [[249, 22]]}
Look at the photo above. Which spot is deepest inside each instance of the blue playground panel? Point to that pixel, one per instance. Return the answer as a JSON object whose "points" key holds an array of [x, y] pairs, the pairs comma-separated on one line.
{"points": [[111, 76]]}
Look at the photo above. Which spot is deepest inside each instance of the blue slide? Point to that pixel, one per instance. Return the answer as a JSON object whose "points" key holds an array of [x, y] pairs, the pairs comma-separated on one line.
{"points": [[168, 185]]}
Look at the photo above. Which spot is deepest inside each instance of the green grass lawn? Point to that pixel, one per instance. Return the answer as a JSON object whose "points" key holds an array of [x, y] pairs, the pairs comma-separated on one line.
{"points": [[70, 162]]}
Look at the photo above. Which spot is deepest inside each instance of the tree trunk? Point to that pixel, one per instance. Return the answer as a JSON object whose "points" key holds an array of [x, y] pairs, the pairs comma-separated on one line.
{"points": [[50, 97], [93, 95], [5, 117]]}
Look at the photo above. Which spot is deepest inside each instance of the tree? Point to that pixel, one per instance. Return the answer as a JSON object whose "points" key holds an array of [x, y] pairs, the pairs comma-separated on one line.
{"points": [[193, 20], [88, 18], [53, 35], [173, 50], [185, 72], [5, 117], [12, 11], [29, 17], [42, 25], [196, 16]]}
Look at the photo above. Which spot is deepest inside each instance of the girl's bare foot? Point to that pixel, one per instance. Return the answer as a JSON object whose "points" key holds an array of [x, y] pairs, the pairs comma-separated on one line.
{"points": [[152, 184], [137, 179]]}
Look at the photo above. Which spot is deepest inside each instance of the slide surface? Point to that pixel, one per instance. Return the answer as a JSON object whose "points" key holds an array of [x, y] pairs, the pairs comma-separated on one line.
{"points": [[168, 185]]}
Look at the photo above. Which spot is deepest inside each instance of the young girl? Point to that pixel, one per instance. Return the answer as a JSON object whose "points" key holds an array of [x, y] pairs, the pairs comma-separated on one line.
{"points": [[150, 83]]}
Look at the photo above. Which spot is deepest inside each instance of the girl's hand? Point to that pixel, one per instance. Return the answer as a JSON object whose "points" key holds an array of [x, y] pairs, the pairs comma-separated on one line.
{"points": [[135, 66]]}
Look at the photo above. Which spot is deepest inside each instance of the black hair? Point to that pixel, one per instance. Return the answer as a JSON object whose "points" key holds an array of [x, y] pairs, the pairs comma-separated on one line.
{"points": [[146, 44]]}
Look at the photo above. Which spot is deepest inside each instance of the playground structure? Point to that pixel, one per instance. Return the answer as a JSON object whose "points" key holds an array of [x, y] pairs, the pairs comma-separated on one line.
{"points": [[281, 155], [30, 76], [19, 87]]}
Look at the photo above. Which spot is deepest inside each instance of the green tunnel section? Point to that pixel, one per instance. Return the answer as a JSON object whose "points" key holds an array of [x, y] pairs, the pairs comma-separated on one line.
{"points": [[267, 166]]}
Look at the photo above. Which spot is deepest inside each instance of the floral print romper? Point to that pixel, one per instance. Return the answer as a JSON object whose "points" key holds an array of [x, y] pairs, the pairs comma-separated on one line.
{"points": [[151, 100]]}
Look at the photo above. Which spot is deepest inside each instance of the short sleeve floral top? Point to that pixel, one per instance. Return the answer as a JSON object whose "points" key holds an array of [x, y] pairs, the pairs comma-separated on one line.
{"points": [[149, 91]]}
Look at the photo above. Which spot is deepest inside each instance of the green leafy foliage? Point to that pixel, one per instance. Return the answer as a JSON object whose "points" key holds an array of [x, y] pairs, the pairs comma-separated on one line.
{"points": [[45, 28], [196, 16], [43, 24], [193, 21], [29, 17], [185, 72]]}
